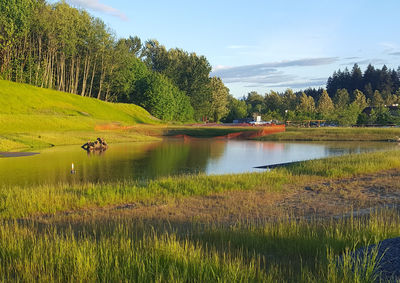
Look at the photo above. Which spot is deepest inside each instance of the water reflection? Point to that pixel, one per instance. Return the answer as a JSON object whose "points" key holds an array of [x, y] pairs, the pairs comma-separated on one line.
{"points": [[169, 157]]}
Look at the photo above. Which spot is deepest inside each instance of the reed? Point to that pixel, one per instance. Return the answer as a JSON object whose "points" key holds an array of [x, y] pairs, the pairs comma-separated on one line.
{"points": [[122, 249]]}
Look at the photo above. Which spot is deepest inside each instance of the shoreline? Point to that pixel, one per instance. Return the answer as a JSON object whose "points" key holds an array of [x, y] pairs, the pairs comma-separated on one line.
{"points": [[17, 154], [280, 222]]}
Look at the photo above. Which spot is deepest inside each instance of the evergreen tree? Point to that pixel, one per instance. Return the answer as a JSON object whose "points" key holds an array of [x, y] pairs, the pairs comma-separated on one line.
{"points": [[369, 93], [325, 105], [371, 77], [356, 80], [273, 102], [377, 100], [289, 100], [341, 99], [395, 81], [307, 104], [359, 100]]}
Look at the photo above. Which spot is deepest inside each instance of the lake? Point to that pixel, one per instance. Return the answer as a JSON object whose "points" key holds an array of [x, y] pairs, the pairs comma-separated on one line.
{"points": [[168, 157]]}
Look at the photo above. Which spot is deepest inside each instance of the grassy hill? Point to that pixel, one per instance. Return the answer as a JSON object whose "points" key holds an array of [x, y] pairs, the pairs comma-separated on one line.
{"points": [[32, 117]]}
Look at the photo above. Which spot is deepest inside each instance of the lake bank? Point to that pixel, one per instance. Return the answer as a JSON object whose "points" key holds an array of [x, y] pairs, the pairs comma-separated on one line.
{"points": [[170, 157], [301, 198], [336, 134], [113, 133], [50, 199], [266, 227], [282, 234]]}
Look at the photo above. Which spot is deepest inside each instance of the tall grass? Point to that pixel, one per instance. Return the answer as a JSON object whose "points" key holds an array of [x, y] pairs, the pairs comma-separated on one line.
{"points": [[116, 256], [16, 202], [123, 249], [348, 165]]}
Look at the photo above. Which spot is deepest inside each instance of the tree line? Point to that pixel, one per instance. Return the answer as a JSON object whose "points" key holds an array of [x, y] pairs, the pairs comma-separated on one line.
{"points": [[346, 95], [60, 47]]}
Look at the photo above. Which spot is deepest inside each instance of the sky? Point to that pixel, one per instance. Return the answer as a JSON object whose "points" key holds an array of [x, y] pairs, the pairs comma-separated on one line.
{"points": [[262, 45]]}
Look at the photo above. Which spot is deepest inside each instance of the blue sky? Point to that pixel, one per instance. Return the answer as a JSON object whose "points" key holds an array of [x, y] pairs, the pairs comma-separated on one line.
{"points": [[263, 45]]}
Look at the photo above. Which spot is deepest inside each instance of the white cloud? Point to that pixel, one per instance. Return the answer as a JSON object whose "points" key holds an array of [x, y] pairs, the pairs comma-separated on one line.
{"points": [[266, 72], [220, 67], [95, 5]]}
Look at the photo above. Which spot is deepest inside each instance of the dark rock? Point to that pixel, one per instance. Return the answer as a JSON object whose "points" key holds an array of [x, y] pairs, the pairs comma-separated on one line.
{"points": [[99, 144], [388, 268]]}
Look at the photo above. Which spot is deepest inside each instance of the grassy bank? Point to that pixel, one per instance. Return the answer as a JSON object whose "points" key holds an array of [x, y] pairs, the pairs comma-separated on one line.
{"points": [[335, 134], [65, 232], [117, 248], [36, 141], [32, 117]]}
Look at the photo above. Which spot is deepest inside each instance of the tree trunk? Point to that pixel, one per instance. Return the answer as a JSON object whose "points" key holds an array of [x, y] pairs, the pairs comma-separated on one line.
{"points": [[101, 77], [78, 67], [39, 60], [85, 75], [91, 81], [71, 76]]}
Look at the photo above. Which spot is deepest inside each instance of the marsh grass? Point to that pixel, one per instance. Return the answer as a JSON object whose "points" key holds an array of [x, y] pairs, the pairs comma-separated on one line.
{"points": [[122, 249], [119, 248], [17, 202], [348, 165], [353, 267]]}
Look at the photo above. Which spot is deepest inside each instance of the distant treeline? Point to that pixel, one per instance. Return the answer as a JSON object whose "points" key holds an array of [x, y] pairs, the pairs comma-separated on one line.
{"points": [[64, 48], [347, 94], [60, 47]]}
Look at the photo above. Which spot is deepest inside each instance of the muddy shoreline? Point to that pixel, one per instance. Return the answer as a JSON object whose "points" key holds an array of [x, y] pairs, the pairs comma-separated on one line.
{"points": [[323, 198], [17, 154]]}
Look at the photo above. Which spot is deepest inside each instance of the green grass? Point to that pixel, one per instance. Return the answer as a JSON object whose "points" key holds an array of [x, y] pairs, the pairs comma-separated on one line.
{"points": [[120, 248], [127, 250], [27, 108], [123, 249], [16, 202], [335, 134], [34, 141], [32, 117]]}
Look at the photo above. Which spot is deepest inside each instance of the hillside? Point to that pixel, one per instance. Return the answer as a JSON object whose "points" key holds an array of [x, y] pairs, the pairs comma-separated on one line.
{"points": [[29, 114], [24, 107]]}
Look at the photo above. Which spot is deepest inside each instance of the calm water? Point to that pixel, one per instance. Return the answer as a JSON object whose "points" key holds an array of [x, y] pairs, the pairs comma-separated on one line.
{"points": [[169, 157]]}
